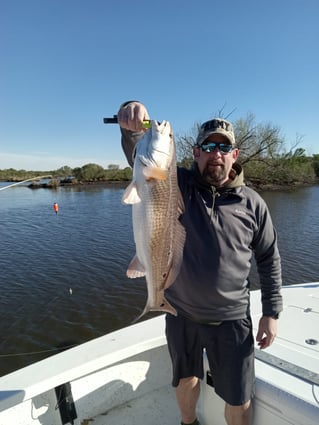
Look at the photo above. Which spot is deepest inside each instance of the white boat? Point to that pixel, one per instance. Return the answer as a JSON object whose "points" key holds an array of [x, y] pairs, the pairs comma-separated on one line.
{"points": [[123, 378]]}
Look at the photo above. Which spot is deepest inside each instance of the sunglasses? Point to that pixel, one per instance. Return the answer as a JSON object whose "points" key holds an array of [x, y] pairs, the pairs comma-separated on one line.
{"points": [[222, 147]]}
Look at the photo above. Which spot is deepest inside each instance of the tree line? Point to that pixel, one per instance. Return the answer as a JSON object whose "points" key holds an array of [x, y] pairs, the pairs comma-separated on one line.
{"points": [[87, 173], [263, 154]]}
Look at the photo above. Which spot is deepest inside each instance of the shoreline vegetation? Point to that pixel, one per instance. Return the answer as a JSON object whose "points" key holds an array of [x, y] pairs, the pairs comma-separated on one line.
{"points": [[54, 183], [267, 166], [123, 184], [266, 163]]}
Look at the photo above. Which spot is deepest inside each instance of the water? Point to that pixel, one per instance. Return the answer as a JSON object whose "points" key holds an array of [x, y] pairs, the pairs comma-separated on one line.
{"points": [[295, 215], [63, 276]]}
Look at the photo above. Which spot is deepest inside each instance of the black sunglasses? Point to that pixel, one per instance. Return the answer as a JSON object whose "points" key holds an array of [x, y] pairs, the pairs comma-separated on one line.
{"points": [[211, 147]]}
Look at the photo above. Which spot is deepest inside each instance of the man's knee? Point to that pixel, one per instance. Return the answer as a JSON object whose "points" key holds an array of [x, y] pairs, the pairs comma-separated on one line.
{"points": [[187, 393], [238, 414], [189, 382]]}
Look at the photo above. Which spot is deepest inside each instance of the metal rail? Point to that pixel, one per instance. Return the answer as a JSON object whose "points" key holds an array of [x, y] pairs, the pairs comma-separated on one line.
{"points": [[290, 368]]}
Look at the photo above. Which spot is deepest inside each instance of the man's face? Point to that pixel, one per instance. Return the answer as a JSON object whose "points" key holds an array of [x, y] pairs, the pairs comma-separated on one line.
{"points": [[215, 166]]}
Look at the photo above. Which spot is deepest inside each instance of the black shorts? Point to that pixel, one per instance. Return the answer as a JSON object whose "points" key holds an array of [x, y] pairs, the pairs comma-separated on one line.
{"points": [[230, 353]]}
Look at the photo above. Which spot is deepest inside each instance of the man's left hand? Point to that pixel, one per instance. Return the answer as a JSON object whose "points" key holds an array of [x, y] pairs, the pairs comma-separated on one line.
{"points": [[267, 331]]}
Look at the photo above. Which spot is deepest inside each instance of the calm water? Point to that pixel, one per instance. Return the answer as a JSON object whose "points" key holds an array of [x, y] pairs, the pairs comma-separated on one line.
{"points": [[63, 276]]}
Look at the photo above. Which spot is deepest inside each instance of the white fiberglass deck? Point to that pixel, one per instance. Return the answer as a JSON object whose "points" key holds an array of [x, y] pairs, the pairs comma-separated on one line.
{"points": [[158, 407]]}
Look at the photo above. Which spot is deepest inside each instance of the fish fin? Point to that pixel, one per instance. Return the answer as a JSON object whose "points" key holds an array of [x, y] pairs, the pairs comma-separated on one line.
{"points": [[154, 173], [178, 248], [130, 195], [164, 307], [135, 268]]}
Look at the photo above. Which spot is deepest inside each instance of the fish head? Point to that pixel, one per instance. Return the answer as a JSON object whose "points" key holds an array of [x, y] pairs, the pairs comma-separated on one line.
{"points": [[156, 149]]}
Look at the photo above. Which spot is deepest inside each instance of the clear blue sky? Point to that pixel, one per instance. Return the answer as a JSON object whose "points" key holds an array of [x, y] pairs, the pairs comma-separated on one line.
{"points": [[66, 64]]}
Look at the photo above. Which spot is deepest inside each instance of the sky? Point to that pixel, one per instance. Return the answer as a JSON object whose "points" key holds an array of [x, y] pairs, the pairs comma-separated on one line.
{"points": [[67, 64]]}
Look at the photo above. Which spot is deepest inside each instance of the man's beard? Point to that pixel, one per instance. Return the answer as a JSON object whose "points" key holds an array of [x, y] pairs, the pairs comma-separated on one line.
{"points": [[214, 175]]}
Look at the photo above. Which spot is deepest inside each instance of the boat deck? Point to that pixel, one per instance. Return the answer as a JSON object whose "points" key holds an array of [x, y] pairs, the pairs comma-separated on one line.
{"points": [[158, 407], [123, 378]]}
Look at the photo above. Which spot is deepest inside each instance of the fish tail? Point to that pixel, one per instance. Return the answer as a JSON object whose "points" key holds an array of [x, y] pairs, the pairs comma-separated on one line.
{"points": [[164, 307]]}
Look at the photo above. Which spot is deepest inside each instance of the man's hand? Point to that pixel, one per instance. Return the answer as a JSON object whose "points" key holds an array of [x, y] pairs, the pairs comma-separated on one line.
{"points": [[267, 331], [131, 116]]}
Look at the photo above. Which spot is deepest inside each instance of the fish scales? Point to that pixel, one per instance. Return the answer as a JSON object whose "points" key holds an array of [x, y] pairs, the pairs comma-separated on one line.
{"points": [[154, 215], [156, 205]]}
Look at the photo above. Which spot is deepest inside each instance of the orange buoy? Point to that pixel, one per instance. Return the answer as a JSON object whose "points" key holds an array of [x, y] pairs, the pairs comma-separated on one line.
{"points": [[56, 207]]}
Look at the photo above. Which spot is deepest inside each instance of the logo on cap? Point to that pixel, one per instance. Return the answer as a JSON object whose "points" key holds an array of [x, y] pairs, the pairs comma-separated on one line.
{"points": [[216, 126]]}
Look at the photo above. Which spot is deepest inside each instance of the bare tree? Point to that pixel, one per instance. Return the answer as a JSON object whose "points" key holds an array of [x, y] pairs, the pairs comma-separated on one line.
{"points": [[184, 145], [257, 142]]}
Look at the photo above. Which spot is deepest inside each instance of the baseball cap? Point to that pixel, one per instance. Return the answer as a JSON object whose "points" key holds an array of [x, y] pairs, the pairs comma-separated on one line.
{"points": [[213, 126]]}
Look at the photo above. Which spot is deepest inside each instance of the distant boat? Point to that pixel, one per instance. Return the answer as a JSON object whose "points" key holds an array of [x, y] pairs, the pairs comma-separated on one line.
{"points": [[124, 377]]}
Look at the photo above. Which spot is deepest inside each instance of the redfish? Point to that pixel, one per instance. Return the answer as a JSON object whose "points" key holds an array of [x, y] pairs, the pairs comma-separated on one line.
{"points": [[156, 206]]}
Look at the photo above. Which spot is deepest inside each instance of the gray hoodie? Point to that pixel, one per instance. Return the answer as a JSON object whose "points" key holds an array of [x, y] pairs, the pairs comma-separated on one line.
{"points": [[225, 227]]}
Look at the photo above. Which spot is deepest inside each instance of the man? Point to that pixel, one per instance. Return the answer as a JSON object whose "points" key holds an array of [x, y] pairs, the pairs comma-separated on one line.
{"points": [[226, 223]]}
